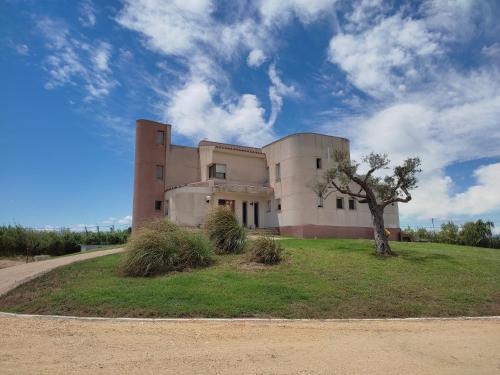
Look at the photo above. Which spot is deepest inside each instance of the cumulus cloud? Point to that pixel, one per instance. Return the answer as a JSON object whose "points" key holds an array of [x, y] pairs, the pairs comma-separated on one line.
{"points": [[196, 114], [386, 59], [256, 58], [423, 105], [203, 104], [73, 62], [199, 112]]}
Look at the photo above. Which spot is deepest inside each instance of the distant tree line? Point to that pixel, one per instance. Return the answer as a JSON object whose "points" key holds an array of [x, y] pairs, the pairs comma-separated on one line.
{"points": [[478, 233], [17, 240]]}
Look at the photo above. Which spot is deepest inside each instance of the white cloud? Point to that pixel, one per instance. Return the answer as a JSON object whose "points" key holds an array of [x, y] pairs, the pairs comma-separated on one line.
{"points": [[173, 27], [202, 104], [101, 55], [385, 59], [277, 91], [87, 13], [457, 121], [424, 106], [432, 198], [256, 58], [196, 114], [280, 11], [126, 220], [492, 50], [74, 62]]}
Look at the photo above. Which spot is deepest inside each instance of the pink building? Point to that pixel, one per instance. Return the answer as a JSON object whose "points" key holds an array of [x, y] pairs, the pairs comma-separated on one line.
{"points": [[267, 187]]}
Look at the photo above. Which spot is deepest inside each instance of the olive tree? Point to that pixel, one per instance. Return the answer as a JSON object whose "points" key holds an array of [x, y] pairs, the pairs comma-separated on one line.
{"points": [[376, 192]]}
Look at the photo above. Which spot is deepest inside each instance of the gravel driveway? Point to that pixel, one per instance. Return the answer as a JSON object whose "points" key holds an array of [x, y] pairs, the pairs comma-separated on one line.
{"points": [[13, 276], [62, 346]]}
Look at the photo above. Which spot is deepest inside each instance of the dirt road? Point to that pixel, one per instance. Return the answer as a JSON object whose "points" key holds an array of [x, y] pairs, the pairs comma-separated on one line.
{"points": [[13, 276], [43, 346]]}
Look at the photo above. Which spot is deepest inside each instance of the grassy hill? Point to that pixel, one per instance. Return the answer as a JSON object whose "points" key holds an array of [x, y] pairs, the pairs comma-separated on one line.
{"points": [[325, 278]]}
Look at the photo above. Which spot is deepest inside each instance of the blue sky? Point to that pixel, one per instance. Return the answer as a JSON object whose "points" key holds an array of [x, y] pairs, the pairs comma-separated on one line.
{"points": [[405, 78]]}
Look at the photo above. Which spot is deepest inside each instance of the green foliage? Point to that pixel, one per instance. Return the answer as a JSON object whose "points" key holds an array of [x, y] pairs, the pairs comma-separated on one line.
{"points": [[265, 250], [477, 233], [224, 230], [419, 235], [448, 233], [16, 240], [161, 247]]}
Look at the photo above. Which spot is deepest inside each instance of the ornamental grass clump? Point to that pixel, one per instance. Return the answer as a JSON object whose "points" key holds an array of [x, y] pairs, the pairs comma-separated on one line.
{"points": [[265, 250], [224, 230], [162, 247]]}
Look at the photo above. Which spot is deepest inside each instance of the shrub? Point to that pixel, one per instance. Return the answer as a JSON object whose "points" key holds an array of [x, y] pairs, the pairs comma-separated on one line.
{"points": [[16, 240], [477, 233], [448, 233], [265, 250], [224, 230], [161, 247]]}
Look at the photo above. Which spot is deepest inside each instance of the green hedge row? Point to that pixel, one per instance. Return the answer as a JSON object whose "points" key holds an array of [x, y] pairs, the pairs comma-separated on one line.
{"points": [[16, 240], [473, 233]]}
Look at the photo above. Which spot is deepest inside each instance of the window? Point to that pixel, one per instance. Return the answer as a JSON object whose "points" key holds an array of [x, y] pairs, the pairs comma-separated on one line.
{"points": [[159, 172], [318, 163], [157, 205], [268, 206], [217, 171], [278, 172], [278, 204], [340, 203], [160, 137], [167, 207], [352, 204]]}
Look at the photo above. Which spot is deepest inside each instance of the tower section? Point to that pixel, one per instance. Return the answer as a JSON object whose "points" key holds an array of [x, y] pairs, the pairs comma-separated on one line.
{"points": [[151, 144]]}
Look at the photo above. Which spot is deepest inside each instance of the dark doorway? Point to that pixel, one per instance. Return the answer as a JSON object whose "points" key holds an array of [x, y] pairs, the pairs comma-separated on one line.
{"points": [[227, 202], [256, 214], [245, 213]]}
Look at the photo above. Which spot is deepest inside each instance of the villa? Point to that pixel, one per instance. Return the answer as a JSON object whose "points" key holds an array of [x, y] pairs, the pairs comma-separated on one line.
{"points": [[268, 187]]}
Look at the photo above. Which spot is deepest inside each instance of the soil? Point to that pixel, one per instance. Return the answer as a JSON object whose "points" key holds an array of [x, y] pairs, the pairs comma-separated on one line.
{"points": [[64, 346]]}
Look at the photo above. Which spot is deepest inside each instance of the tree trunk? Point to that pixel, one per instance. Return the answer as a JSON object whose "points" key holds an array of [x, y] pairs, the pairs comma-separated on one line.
{"points": [[381, 241]]}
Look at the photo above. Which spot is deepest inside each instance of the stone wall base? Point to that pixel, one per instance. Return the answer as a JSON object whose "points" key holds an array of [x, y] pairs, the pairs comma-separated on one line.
{"points": [[324, 231]]}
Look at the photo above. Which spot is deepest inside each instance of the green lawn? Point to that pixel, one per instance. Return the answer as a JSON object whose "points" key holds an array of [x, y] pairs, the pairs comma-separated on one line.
{"points": [[318, 279]]}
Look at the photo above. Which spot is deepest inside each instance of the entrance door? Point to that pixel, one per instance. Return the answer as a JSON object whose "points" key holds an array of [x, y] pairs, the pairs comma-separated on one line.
{"points": [[245, 213], [256, 214], [227, 202]]}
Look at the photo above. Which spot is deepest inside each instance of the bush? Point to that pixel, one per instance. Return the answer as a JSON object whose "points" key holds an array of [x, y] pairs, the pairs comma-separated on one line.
{"points": [[477, 233], [161, 247], [265, 250], [16, 240], [225, 231], [448, 233]]}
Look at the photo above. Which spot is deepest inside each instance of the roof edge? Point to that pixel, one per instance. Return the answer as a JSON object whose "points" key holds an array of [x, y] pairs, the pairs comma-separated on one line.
{"points": [[304, 133]]}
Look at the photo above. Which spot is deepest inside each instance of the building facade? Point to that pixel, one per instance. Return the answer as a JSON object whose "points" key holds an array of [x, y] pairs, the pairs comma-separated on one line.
{"points": [[268, 187]]}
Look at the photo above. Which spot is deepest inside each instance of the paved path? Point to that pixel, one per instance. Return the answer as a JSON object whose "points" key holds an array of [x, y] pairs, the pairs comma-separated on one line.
{"points": [[13, 276], [63, 346]]}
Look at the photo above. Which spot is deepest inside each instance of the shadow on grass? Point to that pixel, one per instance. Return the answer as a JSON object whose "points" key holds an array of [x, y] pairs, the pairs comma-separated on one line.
{"points": [[427, 258], [412, 257]]}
